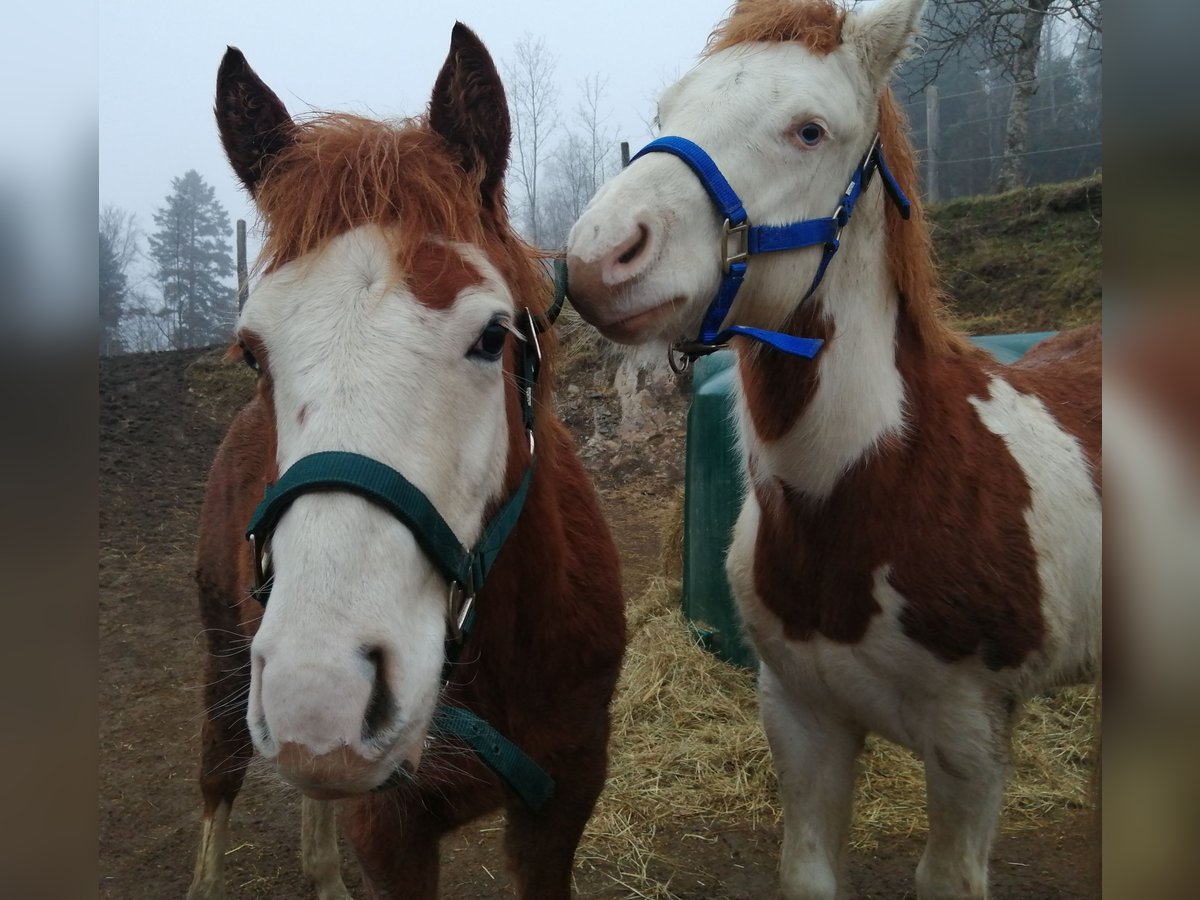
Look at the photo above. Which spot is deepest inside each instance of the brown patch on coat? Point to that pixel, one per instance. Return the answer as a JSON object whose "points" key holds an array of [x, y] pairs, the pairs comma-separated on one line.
{"points": [[438, 274], [943, 508], [779, 386]]}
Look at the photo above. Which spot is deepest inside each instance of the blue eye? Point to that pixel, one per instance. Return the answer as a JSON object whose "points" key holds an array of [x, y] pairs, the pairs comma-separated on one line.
{"points": [[811, 134]]}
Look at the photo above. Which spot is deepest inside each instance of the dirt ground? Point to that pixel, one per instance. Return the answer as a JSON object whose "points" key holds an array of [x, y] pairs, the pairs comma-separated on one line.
{"points": [[157, 438]]}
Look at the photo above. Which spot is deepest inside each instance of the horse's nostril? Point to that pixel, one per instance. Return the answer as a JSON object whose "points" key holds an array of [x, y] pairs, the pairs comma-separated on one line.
{"points": [[637, 247], [381, 706]]}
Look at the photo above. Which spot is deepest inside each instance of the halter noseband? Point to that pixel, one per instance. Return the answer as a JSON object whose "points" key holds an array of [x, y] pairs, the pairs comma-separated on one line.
{"points": [[740, 240], [464, 569]]}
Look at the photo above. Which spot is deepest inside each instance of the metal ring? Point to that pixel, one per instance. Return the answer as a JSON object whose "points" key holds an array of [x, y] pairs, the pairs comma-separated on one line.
{"points": [[685, 361]]}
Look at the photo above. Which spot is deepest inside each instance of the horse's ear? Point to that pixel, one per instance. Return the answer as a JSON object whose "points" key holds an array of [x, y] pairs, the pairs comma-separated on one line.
{"points": [[880, 34], [253, 122], [469, 110]]}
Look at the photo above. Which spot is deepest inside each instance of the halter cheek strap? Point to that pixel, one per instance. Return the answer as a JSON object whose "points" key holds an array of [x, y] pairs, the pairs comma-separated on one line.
{"points": [[740, 240]]}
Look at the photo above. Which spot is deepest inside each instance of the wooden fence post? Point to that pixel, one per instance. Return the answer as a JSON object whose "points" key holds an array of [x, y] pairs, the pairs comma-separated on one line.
{"points": [[624, 154]]}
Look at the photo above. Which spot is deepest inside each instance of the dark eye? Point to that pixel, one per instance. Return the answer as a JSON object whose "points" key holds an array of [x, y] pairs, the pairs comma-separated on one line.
{"points": [[248, 359], [811, 134], [491, 342]]}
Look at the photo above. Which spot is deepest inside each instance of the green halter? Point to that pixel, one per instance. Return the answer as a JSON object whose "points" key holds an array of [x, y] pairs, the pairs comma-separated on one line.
{"points": [[465, 569]]}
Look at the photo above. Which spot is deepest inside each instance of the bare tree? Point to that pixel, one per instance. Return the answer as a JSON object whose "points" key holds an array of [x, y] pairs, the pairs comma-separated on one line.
{"points": [[1007, 35], [120, 227], [533, 98], [580, 163]]}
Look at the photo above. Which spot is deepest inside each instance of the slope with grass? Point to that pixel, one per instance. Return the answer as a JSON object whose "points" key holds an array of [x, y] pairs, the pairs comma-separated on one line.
{"points": [[1027, 260]]}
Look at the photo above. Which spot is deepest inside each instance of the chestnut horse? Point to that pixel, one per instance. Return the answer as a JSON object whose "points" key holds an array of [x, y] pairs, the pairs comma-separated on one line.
{"points": [[393, 326], [919, 547]]}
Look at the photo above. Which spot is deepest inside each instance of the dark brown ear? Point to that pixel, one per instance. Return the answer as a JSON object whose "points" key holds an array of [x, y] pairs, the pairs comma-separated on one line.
{"points": [[468, 109], [253, 122]]}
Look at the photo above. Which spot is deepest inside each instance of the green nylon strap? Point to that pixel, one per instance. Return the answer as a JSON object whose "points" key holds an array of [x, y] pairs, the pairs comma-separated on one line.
{"points": [[525, 777], [550, 316], [343, 471]]}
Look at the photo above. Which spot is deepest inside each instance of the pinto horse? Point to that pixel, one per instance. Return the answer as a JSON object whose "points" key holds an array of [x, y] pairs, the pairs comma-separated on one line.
{"points": [[393, 327], [919, 547]]}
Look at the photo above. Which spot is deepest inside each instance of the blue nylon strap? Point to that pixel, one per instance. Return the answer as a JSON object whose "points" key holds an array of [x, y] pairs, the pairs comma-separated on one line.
{"points": [[718, 309], [525, 777], [903, 204], [706, 170], [770, 239], [809, 233], [788, 343], [826, 258]]}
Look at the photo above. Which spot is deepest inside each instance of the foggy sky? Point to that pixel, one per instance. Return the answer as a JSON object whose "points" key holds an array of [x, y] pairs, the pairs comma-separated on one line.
{"points": [[158, 64]]}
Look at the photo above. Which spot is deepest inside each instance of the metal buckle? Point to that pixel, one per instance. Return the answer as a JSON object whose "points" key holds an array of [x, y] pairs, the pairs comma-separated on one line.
{"points": [[263, 576], [837, 235], [741, 231], [459, 607]]}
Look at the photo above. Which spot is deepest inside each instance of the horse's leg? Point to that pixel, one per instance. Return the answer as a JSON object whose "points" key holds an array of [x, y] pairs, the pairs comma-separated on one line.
{"points": [[319, 855], [964, 780], [541, 845], [395, 834], [224, 756], [814, 755]]}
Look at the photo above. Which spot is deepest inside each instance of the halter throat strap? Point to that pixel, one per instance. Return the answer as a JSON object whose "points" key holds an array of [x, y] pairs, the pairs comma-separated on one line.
{"points": [[740, 240]]}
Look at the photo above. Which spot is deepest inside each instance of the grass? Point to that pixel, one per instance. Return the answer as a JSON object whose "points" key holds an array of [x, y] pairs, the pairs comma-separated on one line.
{"points": [[1026, 260]]}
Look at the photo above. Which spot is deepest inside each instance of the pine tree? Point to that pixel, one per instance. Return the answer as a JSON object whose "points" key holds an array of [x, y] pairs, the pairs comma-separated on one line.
{"points": [[112, 299], [193, 257]]}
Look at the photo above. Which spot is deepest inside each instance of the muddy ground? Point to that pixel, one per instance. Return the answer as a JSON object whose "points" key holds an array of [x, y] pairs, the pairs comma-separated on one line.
{"points": [[159, 428]]}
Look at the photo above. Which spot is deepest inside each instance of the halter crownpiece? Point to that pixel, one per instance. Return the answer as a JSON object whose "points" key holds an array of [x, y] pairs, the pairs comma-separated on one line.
{"points": [[740, 240]]}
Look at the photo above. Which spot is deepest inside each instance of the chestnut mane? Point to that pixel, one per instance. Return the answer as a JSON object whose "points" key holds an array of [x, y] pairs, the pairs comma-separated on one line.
{"points": [[817, 25]]}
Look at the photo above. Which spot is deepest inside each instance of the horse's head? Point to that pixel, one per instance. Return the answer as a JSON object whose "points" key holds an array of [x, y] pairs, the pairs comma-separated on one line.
{"points": [[786, 102], [383, 326]]}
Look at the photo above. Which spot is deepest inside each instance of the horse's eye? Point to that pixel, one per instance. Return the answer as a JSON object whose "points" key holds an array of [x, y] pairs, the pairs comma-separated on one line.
{"points": [[490, 344], [248, 359], [811, 134]]}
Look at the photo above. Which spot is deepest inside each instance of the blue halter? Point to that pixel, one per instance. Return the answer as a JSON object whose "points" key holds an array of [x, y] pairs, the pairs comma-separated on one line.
{"points": [[740, 240]]}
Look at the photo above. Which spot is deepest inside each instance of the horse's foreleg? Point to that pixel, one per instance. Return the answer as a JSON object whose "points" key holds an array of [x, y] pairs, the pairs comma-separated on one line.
{"points": [[814, 754], [208, 877], [395, 838], [225, 754], [319, 855], [541, 845], [964, 780], [223, 760]]}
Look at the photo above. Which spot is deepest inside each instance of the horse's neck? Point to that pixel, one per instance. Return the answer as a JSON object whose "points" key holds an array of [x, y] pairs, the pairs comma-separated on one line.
{"points": [[806, 422]]}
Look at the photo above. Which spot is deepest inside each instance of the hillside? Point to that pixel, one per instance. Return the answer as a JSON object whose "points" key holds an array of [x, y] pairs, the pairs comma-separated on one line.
{"points": [[1027, 260]]}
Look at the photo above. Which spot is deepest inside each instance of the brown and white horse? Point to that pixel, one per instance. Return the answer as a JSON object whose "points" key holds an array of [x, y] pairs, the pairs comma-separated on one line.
{"points": [[919, 548], [384, 325]]}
